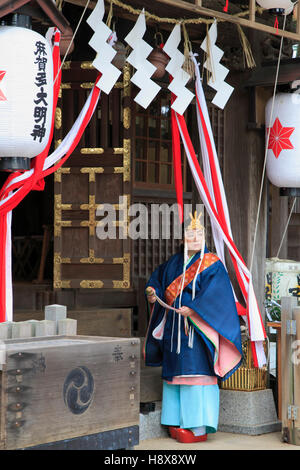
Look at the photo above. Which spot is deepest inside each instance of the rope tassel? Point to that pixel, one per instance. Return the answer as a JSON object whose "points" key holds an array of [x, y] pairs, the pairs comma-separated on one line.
{"points": [[247, 52]]}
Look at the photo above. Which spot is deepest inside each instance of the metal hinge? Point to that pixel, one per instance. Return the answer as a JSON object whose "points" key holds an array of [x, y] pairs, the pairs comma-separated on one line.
{"points": [[291, 327], [292, 412]]}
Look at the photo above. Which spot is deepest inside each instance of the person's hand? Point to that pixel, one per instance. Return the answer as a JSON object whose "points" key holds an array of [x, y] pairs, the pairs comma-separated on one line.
{"points": [[150, 292], [185, 311]]}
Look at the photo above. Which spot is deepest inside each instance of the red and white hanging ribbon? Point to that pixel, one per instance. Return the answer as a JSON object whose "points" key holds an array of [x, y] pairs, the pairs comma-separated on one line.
{"points": [[215, 202], [212, 174], [19, 185], [213, 178]]}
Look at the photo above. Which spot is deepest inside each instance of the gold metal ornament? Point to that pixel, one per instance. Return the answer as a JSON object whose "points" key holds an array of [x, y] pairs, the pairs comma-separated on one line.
{"points": [[195, 221]]}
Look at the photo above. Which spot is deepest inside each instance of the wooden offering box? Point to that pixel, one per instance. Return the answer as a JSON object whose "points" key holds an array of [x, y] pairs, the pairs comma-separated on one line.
{"points": [[60, 387]]}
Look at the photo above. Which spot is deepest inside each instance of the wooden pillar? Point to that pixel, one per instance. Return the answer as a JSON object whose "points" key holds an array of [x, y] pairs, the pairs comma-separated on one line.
{"points": [[257, 247], [243, 165], [296, 364], [290, 372]]}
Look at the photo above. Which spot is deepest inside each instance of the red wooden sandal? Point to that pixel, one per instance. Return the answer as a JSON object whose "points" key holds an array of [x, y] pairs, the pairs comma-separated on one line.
{"points": [[186, 436], [173, 431]]}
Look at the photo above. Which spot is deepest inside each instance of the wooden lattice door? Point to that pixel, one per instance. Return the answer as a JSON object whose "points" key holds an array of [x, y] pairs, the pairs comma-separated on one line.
{"points": [[98, 172]]}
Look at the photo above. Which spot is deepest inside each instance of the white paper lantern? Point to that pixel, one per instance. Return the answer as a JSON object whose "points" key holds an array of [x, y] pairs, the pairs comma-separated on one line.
{"points": [[26, 92], [283, 153], [285, 5]]}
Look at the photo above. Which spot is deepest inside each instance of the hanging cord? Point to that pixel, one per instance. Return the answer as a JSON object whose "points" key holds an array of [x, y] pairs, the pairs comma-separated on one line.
{"points": [[174, 313], [266, 149], [72, 39], [286, 227], [180, 296]]}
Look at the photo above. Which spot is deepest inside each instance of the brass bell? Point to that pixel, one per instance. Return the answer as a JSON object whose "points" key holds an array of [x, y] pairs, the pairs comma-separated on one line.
{"points": [[120, 57], [160, 60], [158, 57]]}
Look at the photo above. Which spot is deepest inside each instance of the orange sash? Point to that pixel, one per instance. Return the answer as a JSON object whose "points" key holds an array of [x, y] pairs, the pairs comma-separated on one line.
{"points": [[172, 290]]}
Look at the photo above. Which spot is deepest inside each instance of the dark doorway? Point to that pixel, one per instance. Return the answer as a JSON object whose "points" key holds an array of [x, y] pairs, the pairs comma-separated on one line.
{"points": [[32, 235]]}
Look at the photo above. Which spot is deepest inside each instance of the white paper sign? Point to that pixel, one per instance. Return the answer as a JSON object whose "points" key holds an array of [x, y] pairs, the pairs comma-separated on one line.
{"points": [[180, 76], [101, 42], [138, 59], [218, 71]]}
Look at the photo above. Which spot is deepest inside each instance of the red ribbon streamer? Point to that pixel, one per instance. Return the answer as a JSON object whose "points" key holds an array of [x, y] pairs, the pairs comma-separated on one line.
{"points": [[177, 165], [176, 153], [3, 228]]}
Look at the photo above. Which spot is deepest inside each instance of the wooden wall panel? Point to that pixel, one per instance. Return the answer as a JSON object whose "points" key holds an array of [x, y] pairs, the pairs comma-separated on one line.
{"points": [[243, 165]]}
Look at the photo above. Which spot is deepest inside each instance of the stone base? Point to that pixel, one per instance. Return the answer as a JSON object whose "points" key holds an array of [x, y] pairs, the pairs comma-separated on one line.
{"points": [[250, 413], [150, 426]]}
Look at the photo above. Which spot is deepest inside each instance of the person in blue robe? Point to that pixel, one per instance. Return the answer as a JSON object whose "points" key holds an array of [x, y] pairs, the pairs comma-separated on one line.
{"points": [[197, 344]]}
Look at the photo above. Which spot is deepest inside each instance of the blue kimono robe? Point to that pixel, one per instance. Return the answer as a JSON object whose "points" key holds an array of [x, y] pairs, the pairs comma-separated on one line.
{"points": [[214, 306]]}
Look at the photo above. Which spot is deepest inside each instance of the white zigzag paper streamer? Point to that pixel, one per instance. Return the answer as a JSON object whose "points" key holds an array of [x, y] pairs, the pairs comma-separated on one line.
{"points": [[180, 76], [219, 72], [138, 59], [105, 51]]}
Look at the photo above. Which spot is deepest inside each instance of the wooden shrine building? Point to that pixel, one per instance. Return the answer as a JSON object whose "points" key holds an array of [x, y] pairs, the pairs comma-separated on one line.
{"points": [[125, 157]]}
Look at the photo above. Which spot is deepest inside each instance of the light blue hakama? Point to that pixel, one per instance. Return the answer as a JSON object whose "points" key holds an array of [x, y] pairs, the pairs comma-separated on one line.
{"points": [[191, 406]]}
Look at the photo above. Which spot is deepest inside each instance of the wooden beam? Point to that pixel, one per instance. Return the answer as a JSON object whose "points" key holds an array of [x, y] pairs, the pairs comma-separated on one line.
{"points": [[231, 19], [264, 76], [8, 6], [124, 14], [47, 6], [200, 10], [55, 15], [298, 19]]}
